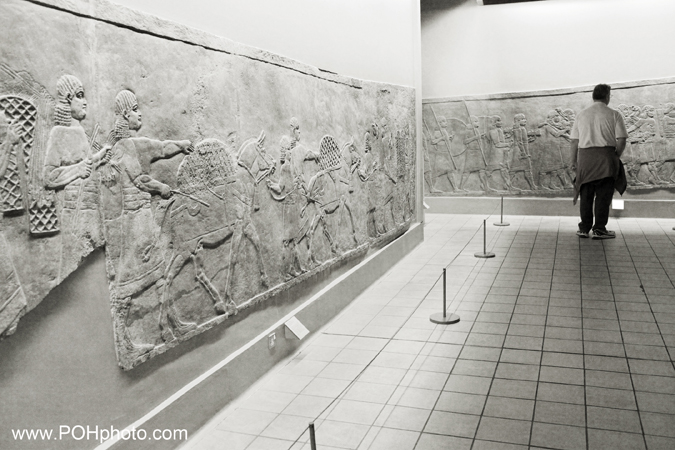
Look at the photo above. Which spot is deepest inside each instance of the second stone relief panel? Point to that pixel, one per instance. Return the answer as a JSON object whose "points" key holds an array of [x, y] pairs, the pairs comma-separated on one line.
{"points": [[519, 144]]}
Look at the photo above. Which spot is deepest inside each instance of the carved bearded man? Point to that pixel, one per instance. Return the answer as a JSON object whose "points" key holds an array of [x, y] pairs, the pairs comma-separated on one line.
{"points": [[287, 191], [133, 238], [68, 166]]}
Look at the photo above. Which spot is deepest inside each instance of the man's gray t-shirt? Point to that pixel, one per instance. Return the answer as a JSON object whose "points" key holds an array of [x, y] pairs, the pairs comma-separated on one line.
{"points": [[598, 126]]}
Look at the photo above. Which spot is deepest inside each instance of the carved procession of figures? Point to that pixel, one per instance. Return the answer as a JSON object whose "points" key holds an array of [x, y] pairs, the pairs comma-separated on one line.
{"points": [[491, 154], [237, 225]]}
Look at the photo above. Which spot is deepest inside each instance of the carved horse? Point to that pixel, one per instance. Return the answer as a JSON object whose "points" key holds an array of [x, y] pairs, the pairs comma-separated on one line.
{"points": [[214, 207], [256, 162], [329, 189]]}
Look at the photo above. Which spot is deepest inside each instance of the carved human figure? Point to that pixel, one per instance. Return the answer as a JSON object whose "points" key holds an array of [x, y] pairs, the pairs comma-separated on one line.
{"points": [[68, 169], [300, 154], [630, 156], [668, 154], [428, 167], [521, 160], [388, 169], [553, 158], [133, 237], [379, 181], [643, 136], [9, 137], [499, 151], [443, 163], [329, 191], [287, 190], [12, 298], [367, 173], [476, 160]]}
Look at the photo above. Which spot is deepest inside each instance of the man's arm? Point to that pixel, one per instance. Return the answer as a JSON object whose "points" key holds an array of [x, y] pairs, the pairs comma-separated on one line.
{"points": [[574, 151], [620, 146]]}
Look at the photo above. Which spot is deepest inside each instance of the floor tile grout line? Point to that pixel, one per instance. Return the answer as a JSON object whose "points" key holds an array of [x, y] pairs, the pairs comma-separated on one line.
{"points": [[494, 375], [543, 341], [583, 337], [623, 342], [453, 365], [651, 309], [379, 352]]}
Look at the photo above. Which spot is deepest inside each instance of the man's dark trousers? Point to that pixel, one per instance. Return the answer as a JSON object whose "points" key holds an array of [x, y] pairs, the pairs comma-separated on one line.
{"points": [[602, 191]]}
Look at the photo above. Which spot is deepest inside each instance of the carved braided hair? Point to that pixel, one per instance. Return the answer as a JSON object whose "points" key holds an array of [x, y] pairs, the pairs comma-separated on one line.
{"points": [[124, 101], [66, 87]]}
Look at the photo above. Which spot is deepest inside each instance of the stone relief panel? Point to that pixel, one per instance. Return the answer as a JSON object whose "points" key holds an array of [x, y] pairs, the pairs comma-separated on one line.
{"points": [[518, 144], [213, 180]]}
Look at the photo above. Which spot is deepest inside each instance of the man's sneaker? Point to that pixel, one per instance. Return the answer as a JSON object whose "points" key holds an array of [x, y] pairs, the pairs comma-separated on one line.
{"points": [[582, 234], [603, 234]]}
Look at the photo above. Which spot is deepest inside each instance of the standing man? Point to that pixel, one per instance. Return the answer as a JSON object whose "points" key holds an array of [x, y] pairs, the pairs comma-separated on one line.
{"points": [[598, 139]]}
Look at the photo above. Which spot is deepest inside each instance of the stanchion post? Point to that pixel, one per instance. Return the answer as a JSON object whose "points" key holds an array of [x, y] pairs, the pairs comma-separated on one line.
{"points": [[312, 437], [485, 253], [501, 222], [443, 318]]}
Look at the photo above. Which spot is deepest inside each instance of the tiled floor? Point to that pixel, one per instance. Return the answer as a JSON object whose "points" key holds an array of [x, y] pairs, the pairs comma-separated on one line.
{"points": [[563, 343]]}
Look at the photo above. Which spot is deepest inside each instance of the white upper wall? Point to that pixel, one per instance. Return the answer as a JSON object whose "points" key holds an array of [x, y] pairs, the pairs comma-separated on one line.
{"points": [[367, 39], [469, 49]]}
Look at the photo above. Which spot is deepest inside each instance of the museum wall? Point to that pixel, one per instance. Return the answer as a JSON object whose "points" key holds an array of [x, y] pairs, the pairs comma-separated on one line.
{"points": [[522, 47], [132, 270], [502, 85]]}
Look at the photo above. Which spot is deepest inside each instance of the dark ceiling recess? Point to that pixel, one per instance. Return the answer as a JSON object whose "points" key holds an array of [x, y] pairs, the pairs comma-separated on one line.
{"points": [[502, 2]]}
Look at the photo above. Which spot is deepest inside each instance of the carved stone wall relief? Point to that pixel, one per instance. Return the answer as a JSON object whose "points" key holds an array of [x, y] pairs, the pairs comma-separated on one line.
{"points": [[519, 143], [214, 179]]}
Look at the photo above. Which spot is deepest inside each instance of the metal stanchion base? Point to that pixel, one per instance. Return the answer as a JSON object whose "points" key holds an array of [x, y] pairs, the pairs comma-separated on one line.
{"points": [[484, 255], [501, 224], [444, 320]]}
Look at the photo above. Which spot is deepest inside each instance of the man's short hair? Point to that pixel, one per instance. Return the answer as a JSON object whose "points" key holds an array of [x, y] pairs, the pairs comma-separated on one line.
{"points": [[601, 91]]}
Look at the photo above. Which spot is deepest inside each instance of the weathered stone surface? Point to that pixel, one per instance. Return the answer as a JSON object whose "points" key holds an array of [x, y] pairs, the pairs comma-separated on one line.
{"points": [[519, 143], [216, 175]]}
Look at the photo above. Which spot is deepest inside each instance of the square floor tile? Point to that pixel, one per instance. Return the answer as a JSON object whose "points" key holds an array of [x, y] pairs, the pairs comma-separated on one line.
{"points": [[504, 430], [558, 436], [355, 412], [452, 424], [517, 371], [418, 398], [370, 392], [286, 427], [215, 438], [391, 439], [307, 406], [440, 442], [474, 367], [509, 408], [468, 384], [246, 421], [660, 403], [340, 434], [268, 401], [405, 418], [514, 388], [460, 403], [613, 380], [614, 419], [610, 398], [561, 393], [614, 440], [326, 387], [560, 413], [265, 443]]}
